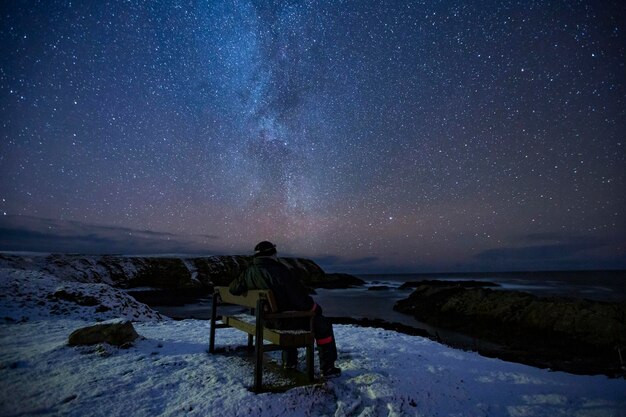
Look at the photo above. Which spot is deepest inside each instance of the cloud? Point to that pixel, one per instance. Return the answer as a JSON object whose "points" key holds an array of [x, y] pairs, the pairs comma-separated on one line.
{"points": [[337, 263], [536, 252], [555, 251], [361, 261], [334, 260], [556, 237], [24, 233]]}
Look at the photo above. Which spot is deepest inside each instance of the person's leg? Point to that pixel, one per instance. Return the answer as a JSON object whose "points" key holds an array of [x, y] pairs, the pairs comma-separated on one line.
{"points": [[290, 358], [325, 339]]}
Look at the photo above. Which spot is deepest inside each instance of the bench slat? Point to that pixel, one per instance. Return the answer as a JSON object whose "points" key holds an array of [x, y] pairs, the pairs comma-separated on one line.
{"points": [[248, 299], [285, 338]]}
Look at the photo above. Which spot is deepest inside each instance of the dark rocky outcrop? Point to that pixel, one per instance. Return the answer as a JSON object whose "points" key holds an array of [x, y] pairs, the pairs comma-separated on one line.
{"points": [[170, 297], [195, 275], [218, 270], [575, 333], [117, 271], [379, 288], [381, 324], [335, 280], [74, 297], [119, 333], [437, 283]]}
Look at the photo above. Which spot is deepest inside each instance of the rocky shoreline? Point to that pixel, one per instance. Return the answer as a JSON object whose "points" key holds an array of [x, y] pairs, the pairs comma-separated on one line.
{"points": [[180, 276], [574, 335], [577, 336]]}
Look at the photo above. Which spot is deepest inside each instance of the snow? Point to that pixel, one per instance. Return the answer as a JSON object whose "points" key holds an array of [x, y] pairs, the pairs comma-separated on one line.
{"points": [[80, 268], [27, 295], [168, 372], [192, 270]]}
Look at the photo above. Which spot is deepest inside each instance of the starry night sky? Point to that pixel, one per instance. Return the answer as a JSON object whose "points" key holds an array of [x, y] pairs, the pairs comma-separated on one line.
{"points": [[368, 135]]}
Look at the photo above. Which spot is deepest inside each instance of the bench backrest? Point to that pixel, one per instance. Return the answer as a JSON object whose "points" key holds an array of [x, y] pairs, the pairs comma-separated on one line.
{"points": [[248, 299]]}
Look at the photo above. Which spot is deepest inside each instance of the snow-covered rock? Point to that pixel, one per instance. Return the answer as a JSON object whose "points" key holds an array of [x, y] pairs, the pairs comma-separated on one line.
{"points": [[118, 271], [114, 332], [164, 272], [27, 295]]}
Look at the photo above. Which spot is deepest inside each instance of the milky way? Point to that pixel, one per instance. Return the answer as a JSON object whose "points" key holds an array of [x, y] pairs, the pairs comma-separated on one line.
{"points": [[370, 136]]}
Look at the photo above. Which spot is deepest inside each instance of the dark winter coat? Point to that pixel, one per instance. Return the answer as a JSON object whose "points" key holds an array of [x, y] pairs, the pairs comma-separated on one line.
{"points": [[268, 273]]}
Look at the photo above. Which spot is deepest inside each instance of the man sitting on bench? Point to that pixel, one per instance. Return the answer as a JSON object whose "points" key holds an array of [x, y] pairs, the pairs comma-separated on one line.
{"points": [[268, 273]]}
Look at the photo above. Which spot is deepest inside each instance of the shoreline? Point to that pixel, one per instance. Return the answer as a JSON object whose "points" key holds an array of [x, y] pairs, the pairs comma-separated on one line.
{"points": [[366, 308], [380, 314], [169, 372], [539, 360]]}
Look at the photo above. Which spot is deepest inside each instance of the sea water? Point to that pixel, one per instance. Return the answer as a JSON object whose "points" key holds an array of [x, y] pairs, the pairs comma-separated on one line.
{"points": [[376, 298], [363, 302]]}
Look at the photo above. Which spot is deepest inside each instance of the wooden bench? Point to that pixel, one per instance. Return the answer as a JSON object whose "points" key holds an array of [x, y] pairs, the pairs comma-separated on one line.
{"points": [[263, 308]]}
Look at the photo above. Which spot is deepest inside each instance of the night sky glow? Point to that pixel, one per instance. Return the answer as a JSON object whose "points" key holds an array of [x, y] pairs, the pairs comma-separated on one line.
{"points": [[368, 135]]}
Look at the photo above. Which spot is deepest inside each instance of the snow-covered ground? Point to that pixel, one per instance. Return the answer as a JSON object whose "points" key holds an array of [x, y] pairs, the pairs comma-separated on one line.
{"points": [[169, 371]]}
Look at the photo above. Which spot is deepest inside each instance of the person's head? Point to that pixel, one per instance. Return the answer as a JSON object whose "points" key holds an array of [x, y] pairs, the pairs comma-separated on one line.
{"points": [[265, 248]]}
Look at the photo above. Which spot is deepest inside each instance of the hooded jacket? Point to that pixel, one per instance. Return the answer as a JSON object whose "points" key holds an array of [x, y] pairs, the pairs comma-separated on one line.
{"points": [[267, 273]]}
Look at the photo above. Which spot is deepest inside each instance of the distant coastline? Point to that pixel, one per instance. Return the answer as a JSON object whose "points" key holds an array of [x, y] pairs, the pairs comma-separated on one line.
{"points": [[617, 273], [601, 285]]}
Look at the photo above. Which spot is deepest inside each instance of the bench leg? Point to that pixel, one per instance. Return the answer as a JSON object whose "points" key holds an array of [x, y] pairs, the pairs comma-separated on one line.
{"points": [[250, 337], [258, 369], [310, 363], [258, 365], [258, 350], [213, 321]]}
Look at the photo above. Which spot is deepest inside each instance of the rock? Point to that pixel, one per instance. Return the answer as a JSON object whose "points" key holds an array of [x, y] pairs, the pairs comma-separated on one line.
{"points": [[114, 332], [336, 281], [161, 273], [74, 297], [378, 288], [446, 283], [173, 297], [218, 270], [381, 324], [164, 273], [550, 327], [69, 398]]}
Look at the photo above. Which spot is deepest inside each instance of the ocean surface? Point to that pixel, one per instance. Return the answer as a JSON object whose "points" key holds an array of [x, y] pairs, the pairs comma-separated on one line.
{"points": [[363, 302]]}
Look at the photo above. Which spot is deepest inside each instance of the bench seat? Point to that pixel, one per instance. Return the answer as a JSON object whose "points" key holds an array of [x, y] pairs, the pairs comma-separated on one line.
{"points": [[284, 338], [262, 309]]}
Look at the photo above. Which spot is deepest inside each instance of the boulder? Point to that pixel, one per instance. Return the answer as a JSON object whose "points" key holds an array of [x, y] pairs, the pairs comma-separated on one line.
{"points": [[114, 332]]}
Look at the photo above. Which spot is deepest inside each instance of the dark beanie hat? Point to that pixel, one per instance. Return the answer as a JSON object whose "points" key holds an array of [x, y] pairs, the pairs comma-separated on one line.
{"points": [[265, 248]]}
